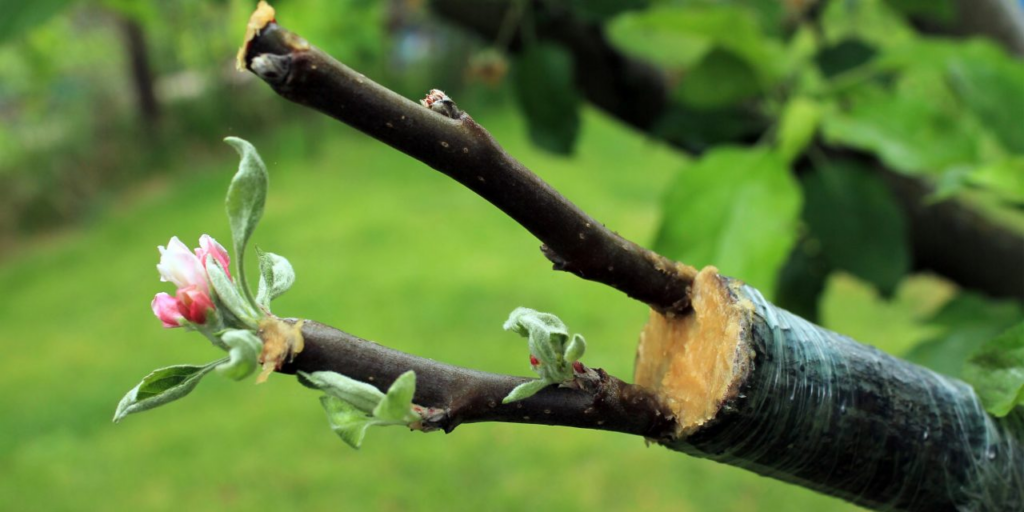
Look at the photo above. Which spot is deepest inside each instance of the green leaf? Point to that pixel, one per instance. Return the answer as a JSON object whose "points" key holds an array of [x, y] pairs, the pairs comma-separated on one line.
{"points": [[735, 208], [966, 322], [547, 96], [227, 294], [996, 371], [20, 17], [720, 79], [396, 406], [276, 277], [861, 227], [575, 348], [797, 127], [162, 386], [347, 421], [991, 84], [245, 348], [526, 390], [870, 20], [802, 280], [844, 56], [692, 31], [246, 198], [361, 395], [1004, 178]]}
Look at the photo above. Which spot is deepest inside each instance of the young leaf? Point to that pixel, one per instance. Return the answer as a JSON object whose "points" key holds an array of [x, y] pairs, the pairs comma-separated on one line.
{"points": [[860, 225], [162, 386], [348, 422], [227, 293], [543, 81], [574, 350], [361, 395], [526, 390], [996, 371], [736, 208], [797, 127], [721, 79], [397, 403], [276, 277], [246, 197], [245, 348]]}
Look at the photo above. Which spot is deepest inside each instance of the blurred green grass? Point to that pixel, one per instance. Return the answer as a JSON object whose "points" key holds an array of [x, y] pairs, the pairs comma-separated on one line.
{"points": [[384, 248]]}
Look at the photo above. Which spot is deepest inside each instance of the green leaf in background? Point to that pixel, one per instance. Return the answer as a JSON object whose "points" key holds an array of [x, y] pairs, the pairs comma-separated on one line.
{"points": [[692, 31], [991, 84], [942, 11], [966, 322], [347, 421], [720, 79], [996, 371], [910, 131], [247, 195], [602, 10], [802, 280], [276, 277], [547, 96], [162, 386], [735, 208], [244, 352], [396, 406], [797, 126], [20, 17], [844, 56], [851, 211], [1004, 178], [872, 21]]}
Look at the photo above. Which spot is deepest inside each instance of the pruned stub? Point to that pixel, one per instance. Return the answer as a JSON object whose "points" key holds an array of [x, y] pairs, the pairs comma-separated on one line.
{"points": [[695, 361]]}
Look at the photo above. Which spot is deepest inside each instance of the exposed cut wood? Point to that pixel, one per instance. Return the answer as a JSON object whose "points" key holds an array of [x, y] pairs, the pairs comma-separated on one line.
{"points": [[695, 361]]}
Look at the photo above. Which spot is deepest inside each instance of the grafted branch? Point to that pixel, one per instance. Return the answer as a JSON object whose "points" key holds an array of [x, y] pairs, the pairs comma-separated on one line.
{"points": [[722, 373]]}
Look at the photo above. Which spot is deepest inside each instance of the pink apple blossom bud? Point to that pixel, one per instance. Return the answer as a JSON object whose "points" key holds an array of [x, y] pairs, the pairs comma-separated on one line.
{"points": [[209, 247], [165, 308], [534, 361], [578, 367], [193, 304], [179, 266]]}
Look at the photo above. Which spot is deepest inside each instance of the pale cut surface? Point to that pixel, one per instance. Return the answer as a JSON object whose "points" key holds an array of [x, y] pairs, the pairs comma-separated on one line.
{"points": [[696, 361]]}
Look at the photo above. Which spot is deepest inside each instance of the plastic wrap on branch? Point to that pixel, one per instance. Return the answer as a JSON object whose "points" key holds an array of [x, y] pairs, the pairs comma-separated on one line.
{"points": [[806, 405]]}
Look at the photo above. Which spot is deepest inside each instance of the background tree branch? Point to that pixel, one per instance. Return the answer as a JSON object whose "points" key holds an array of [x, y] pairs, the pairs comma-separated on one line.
{"points": [[949, 238]]}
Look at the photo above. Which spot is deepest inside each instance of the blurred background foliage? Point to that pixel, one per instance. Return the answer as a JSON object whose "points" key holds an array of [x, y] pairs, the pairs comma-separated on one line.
{"points": [[860, 161]]}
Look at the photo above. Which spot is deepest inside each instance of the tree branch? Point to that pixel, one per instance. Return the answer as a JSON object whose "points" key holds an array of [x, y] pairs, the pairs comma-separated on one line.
{"points": [[729, 377], [597, 400], [942, 240], [464, 151]]}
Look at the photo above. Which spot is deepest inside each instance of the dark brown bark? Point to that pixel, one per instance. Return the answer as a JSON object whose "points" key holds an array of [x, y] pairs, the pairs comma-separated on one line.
{"points": [[598, 400]]}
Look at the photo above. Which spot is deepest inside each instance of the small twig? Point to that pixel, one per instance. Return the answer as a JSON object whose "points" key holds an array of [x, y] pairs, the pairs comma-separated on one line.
{"points": [[455, 395], [463, 150]]}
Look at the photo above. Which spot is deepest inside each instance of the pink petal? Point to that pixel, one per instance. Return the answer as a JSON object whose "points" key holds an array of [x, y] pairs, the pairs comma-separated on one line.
{"points": [[165, 308], [208, 246], [179, 266]]}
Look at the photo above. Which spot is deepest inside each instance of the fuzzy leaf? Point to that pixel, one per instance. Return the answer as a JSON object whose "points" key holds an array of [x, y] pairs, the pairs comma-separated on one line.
{"points": [[276, 277], [245, 348], [737, 209], [996, 371], [575, 348], [246, 198], [397, 403], [526, 390], [347, 421], [361, 395], [227, 293], [547, 96], [162, 386]]}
